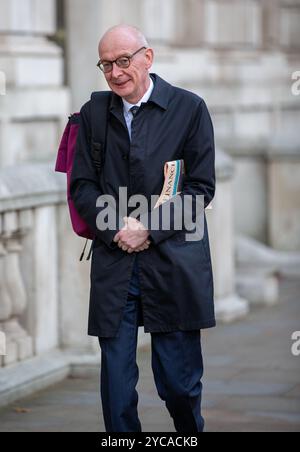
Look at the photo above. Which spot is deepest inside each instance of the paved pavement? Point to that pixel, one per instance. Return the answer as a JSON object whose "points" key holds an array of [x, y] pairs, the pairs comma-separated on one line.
{"points": [[252, 382]]}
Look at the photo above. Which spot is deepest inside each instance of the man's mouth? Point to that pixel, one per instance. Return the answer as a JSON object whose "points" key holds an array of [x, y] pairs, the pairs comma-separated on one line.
{"points": [[121, 84]]}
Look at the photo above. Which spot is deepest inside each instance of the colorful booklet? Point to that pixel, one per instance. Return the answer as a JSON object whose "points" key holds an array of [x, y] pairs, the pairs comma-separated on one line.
{"points": [[174, 172]]}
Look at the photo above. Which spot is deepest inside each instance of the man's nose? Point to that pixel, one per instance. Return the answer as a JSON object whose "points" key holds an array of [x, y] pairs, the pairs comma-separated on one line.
{"points": [[116, 71]]}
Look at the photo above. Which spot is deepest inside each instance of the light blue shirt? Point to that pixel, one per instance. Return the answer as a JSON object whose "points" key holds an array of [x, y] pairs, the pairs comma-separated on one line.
{"points": [[127, 106]]}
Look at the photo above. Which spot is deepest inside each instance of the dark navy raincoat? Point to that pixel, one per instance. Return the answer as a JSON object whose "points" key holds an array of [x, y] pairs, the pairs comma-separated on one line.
{"points": [[175, 275]]}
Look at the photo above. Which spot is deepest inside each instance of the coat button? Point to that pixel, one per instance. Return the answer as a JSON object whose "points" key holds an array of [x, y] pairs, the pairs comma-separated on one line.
{"points": [[125, 157]]}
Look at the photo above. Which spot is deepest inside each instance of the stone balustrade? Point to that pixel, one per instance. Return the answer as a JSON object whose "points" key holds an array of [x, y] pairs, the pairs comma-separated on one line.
{"points": [[19, 344], [32, 259]]}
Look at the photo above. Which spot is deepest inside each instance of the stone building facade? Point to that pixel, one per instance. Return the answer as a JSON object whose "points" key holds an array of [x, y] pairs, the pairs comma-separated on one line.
{"points": [[242, 56]]}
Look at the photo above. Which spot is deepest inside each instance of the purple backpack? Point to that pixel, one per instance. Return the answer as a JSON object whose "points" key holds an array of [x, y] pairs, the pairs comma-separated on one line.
{"points": [[67, 147]]}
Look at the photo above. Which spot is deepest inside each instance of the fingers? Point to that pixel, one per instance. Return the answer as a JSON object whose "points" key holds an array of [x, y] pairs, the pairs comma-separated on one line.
{"points": [[141, 248], [122, 246], [117, 237], [123, 240], [145, 246]]}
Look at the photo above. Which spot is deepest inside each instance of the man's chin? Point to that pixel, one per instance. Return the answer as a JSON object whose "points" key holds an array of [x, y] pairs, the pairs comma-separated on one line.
{"points": [[122, 90]]}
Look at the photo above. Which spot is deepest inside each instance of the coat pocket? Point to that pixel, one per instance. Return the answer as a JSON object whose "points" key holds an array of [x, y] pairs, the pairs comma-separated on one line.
{"points": [[200, 245]]}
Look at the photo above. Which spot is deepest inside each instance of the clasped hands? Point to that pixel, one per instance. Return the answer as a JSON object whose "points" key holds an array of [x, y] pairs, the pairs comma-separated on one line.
{"points": [[133, 237]]}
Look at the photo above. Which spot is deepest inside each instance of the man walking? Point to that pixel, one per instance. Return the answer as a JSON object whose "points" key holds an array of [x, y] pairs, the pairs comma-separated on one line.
{"points": [[142, 276]]}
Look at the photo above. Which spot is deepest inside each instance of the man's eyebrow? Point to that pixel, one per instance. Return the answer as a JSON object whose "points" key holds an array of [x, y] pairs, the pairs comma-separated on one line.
{"points": [[125, 54]]}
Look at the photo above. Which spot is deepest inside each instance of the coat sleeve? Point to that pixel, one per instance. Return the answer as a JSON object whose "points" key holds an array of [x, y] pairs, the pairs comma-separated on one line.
{"points": [[84, 186], [199, 159]]}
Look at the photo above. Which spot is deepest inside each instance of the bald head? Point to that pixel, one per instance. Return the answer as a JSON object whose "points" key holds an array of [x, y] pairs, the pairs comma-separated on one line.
{"points": [[125, 35], [130, 80]]}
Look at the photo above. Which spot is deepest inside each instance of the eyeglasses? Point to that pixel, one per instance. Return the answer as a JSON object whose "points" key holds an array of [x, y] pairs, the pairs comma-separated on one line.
{"points": [[123, 62]]}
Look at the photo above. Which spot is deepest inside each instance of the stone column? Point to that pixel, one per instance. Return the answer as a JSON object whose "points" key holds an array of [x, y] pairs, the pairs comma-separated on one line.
{"points": [[159, 21], [229, 305], [189, 23], [83, 29], [233, 24], [284, 201], [289, 30], [86, 23], [271, 24], [36, 103]]}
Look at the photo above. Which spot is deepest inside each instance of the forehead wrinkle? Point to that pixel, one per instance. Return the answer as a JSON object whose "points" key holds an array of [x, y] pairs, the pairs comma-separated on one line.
{"points": [[122, 39], [118, 54]]}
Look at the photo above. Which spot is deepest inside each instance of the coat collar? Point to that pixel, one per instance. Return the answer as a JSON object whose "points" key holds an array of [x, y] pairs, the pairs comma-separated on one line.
{"points": [[160, 95]]}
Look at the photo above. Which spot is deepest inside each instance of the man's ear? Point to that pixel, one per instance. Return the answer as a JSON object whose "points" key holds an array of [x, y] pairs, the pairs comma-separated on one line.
{"points": [[149, 58]]}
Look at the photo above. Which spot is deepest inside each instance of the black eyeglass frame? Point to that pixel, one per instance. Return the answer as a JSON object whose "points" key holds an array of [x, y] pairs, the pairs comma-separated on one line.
{"points": [[117, 61]]}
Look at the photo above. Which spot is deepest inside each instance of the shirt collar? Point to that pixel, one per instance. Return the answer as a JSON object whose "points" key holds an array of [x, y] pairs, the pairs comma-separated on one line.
{"points": [[144, 100]]}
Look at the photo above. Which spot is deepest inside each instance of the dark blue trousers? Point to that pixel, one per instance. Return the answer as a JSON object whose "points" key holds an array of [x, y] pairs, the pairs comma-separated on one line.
{"points": [[177, 368]]}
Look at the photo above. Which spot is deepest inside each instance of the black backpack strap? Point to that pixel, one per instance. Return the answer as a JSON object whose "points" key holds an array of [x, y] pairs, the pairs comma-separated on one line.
{"points": [[100, 102]]}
